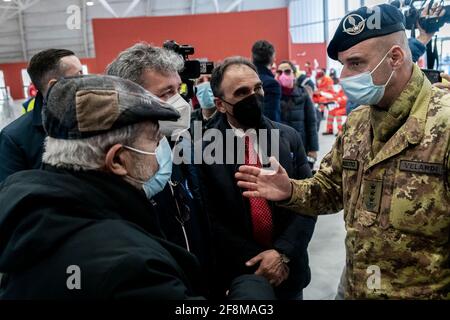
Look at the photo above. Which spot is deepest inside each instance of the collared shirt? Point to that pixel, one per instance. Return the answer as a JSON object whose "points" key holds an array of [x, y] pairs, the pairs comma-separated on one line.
{"points": [[251, 133]]}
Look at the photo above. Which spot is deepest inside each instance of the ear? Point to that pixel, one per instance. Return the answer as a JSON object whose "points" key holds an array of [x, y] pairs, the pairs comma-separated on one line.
{"points": [[397, 57], [220, 105], [115, 161], [51, 82]]}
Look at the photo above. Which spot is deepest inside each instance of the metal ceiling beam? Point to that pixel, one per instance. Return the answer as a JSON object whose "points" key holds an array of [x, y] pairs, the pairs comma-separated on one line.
{"points": [[234, 5], [108, 8], [149, 8], [15, 7], [216, 5], [84, 28], [22, 36], [131, 7]]}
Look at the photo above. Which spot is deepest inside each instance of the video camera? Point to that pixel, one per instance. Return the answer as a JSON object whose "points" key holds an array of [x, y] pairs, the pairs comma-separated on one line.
{"points": [[192, 70], [412, 14]]}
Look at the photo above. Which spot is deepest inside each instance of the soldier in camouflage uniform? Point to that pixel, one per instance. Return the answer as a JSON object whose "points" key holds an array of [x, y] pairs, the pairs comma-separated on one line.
{"points": [[389, 171]]}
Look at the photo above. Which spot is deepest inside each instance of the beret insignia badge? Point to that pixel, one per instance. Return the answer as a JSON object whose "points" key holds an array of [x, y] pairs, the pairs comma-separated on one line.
{"points": [[354, 24]]}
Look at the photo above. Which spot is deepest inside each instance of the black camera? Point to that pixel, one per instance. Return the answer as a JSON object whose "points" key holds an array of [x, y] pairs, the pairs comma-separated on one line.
{"points": [[193, 69], [412, 14]]}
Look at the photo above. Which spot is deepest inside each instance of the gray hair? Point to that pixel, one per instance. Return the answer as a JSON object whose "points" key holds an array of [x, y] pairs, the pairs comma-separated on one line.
{"points": [[90, 153], [134, 61]]}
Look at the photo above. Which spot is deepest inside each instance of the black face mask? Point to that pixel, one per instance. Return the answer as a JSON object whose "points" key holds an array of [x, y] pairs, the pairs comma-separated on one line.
{"points": [[248, 111]]}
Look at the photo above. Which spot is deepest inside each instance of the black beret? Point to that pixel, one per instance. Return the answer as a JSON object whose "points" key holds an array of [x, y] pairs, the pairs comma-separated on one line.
{"points": [[84, 106], [363, 24]]}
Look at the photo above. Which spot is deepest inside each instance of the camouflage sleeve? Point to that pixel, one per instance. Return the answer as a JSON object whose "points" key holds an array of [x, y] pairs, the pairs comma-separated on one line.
{"points": [[448, 166], [321, 194]]}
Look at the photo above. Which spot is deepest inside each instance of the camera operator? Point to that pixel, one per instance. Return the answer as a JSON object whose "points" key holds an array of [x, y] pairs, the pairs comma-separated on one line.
{"points": [[418, 45]]}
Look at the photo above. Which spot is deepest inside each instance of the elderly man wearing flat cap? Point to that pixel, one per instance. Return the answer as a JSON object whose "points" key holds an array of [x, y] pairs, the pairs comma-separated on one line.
{"points": [[82, 227], [388, 170]]}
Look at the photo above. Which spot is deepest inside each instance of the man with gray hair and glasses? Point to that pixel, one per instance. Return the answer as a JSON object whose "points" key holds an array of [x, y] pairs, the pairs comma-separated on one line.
{"points": [[82, 228], [175, 194]]}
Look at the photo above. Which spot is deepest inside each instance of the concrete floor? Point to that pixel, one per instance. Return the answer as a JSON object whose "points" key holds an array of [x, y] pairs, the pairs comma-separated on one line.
{"points": [[326, 249]]}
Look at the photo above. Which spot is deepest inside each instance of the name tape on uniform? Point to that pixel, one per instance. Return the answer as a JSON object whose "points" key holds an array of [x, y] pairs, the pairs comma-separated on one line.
{"points": [[422, 167]]}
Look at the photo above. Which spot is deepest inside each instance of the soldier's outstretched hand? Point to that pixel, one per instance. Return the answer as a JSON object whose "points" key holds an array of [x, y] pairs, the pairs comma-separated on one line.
{"points": [[272, 184]]}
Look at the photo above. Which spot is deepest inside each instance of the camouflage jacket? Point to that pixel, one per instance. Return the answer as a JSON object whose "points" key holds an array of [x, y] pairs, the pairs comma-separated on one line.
{"points": [[396, 204]]}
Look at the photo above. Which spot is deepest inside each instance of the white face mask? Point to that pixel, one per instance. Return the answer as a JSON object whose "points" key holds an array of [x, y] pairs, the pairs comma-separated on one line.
{"points": [[176, 128], [361, 90]]}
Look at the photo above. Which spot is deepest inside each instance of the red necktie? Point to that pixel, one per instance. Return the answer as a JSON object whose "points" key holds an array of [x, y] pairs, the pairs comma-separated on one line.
{"points": [[259, 207]]}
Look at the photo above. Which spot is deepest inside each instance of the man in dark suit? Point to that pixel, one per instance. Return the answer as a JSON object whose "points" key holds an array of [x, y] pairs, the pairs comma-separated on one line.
{"points": [[253, 236], [22, 141], [263, 54]]}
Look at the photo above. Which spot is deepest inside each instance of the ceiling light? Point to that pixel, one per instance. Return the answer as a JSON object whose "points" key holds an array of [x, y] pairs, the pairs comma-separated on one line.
{"points": [[90, 3]]}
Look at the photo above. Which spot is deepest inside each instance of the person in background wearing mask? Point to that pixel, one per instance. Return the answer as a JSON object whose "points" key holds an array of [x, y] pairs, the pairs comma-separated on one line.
{"points": [[297, 110], [22, 141], [324, 83], [389, 169], [263, 56], [82, 227], [194, 101], [252, 236], [334, 76], [338, 112], [174, 191], [308, 69], [207, 109], [324, 93]]}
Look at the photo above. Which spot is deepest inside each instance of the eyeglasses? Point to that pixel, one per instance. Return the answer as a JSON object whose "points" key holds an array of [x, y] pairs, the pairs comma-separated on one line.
{"points": [[287, 72]]}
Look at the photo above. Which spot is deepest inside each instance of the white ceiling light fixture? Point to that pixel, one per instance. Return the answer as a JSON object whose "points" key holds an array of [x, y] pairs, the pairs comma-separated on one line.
{"points": [[90, 3]]}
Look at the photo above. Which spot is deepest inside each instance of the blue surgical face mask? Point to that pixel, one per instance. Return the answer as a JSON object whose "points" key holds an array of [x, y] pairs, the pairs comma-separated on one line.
{"points": [[159, 180], [361, 90], [205, 96]]}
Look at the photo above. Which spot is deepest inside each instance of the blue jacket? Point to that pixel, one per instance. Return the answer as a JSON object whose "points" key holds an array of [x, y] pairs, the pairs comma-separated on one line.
{"points": [[297, 111], [22, 142], [272, 93]]}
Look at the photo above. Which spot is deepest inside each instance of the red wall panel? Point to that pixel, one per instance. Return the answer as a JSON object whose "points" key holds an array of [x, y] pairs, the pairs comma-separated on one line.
{"points": [[13, 75], [13, 78], [303, 52], [214, 36]]}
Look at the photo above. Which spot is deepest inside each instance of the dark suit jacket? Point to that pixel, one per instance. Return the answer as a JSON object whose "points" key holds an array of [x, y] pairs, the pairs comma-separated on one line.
{"points": [[230, 214], [22, 142]]}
